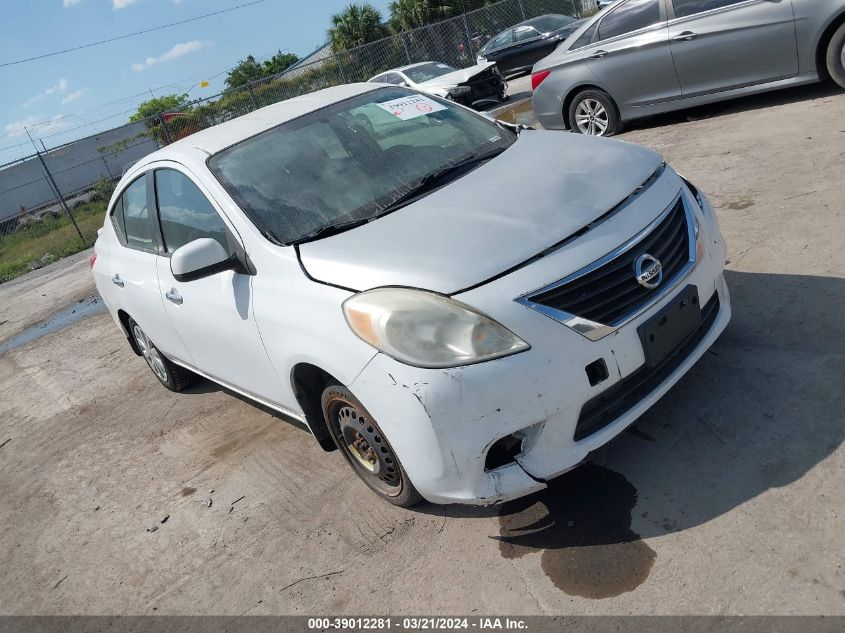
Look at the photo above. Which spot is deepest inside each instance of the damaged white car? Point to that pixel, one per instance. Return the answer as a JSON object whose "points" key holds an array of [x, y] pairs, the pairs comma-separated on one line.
{"points": [[476, 86], [394, 271]]}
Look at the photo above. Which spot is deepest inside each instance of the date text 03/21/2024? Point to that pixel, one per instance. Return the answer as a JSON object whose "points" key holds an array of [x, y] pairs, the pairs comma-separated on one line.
{"points": [[417, 623]]}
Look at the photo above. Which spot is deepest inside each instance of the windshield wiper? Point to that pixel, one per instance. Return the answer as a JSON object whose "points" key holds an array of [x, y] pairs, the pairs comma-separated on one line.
{"points": [[435, 179], [426, 183]]}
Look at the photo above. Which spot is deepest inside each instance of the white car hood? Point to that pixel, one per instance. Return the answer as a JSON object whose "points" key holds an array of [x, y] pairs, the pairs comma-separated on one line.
{"points": [[450, 80], [544, 188]]}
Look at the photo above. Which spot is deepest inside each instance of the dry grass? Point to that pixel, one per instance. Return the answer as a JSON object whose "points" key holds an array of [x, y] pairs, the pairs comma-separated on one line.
{"points": [[51, 236]]}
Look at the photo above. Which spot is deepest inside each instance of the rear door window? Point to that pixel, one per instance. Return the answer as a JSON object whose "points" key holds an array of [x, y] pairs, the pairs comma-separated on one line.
{"points": [[629, 17], [117, 220], [683, 8], [389, 78], [500, 41], [585, 38], [136, 216]]}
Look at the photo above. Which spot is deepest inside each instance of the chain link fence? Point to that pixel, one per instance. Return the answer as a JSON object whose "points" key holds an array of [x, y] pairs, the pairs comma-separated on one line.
{"points": [[52, 202]]}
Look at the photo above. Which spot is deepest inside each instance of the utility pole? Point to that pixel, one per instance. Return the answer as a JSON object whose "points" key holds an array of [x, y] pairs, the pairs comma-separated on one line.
{"points": [[55, 187]]}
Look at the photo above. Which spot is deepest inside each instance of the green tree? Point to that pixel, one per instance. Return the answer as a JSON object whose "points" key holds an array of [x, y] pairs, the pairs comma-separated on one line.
{"points": [[249, 70], [357, 24], [406, 15], [157, 105], [246, 71], [279, 62]]}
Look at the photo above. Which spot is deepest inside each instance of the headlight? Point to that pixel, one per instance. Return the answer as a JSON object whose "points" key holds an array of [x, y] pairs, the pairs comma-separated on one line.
{"points": [[695, 192], [427, 330]]}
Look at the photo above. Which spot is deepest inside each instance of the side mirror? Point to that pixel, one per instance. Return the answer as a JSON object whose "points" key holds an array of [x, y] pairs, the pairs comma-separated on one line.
{"points": [[201, 258], [403, 84]]}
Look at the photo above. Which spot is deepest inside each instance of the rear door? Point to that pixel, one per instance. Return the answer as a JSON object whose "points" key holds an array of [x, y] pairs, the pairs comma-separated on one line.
{"points": [[213, 315], [131, 268], [499, 51], [528, 45], [724, 44], [630, 54]]}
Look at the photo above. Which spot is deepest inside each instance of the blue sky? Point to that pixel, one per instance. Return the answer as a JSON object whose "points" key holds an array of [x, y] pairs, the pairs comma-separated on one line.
{"points": [[71, 95]]}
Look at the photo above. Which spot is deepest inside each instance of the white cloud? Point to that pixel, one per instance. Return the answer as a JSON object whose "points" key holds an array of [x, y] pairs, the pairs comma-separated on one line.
{"points": [[122, 4], [16, 128], [73, 96], [70, 3], [32, 100], [37, 125], [180, 50], [61, 86]]}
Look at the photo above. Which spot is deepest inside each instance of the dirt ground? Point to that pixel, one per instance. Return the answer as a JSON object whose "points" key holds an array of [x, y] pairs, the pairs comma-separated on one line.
{"points": [[726, 498]]}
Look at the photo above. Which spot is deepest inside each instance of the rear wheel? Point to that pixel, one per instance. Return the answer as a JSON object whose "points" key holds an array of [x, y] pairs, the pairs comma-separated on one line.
{"points": [[169, 374], [593, 112], [836, 56], [365, 447]]}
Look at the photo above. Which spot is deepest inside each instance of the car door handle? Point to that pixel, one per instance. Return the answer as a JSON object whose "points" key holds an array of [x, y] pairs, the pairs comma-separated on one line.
{"points": [[598, 55], [174, 296], [117, 281], [686, 36]]}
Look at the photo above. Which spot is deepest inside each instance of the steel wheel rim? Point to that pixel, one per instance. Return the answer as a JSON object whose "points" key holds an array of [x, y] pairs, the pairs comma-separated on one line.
{"points": [[369, 453], [150, 353], [591, 118]]}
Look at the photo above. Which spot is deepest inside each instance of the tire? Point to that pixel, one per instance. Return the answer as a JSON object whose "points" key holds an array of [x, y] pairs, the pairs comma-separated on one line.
{"points": [[169, 374], [363, 445], [594, 110], [836, 56]]}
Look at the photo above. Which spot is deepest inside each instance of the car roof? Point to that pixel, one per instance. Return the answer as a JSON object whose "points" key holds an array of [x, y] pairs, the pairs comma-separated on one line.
{"points": [[404, 68], [212, 140], [540, 18]]}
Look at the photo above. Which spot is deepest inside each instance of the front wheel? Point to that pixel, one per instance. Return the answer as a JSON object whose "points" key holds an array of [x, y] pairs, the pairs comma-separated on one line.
{"points": [[365, 447], [836, 56], [593, 112]]}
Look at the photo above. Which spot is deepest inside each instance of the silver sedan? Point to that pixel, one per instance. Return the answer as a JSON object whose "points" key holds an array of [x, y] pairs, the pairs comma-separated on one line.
{"points": [[644, 57]]}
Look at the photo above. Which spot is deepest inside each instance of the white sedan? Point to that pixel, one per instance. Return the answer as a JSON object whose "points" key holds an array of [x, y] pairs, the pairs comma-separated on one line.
{"points": [[477, 85], [369, 260]]}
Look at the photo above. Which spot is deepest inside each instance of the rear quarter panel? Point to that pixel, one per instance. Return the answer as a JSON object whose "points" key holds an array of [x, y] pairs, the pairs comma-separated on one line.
{"points": [[566, 76]]}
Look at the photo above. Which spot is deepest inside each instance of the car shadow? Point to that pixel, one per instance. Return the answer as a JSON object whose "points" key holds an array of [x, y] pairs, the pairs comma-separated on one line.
{"points": [[757, 412], [741, 104], [203, 385]]}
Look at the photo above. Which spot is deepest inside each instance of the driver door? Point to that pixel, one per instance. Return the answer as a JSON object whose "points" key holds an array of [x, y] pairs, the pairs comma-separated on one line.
{"points": [[213, 315], [725, 44]]}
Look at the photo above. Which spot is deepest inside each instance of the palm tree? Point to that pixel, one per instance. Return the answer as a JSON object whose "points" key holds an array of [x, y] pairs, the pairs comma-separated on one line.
{"points": [[357, 24], [406, 15]]}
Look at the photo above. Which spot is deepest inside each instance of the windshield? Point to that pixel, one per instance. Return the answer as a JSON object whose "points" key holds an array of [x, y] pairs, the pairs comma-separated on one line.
{"points": [[425, 72], [349, 161], [549, 23]]}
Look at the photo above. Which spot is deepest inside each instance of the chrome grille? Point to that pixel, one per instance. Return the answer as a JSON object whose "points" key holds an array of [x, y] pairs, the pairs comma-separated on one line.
{"points": [[606, 294]]}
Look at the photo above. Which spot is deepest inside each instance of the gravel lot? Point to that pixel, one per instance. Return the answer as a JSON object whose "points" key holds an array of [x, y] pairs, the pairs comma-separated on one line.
{"points": [[726, 498]]}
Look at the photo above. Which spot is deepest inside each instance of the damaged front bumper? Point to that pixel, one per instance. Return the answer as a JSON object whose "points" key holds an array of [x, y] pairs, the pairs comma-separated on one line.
{"points": [[443, 423]]}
